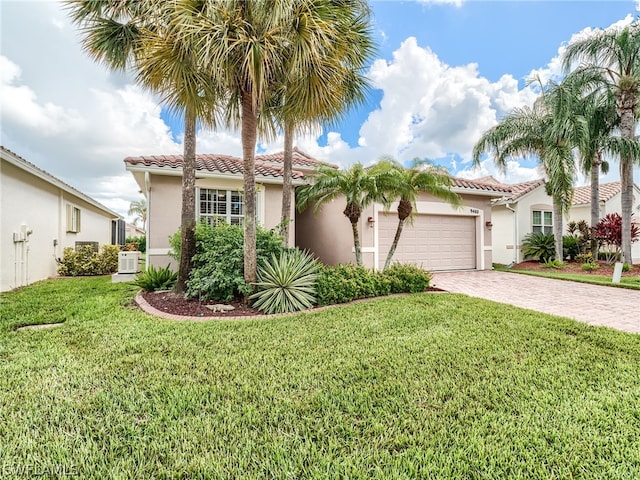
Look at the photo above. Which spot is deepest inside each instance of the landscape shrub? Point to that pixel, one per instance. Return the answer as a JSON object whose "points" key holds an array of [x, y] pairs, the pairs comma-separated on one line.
{"points": [[570, 247], [608, 232], [552, 263], [139, 242], [286, 283], [590, 266], [539, 246], [345, 283], [85, 261], [578, 241], [154, 279], [405, 278], [218, 265]]}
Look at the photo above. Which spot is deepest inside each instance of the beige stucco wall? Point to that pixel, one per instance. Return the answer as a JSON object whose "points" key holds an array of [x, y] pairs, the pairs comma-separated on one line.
{"points": [[328, 232], [39, 206], [165, 205]]}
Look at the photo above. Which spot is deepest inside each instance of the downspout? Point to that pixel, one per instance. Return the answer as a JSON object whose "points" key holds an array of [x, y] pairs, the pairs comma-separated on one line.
{"points": [[147, 187], [515, 234]]}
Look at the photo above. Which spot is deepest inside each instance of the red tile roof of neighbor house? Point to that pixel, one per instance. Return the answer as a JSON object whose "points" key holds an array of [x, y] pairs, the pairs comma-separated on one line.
{"points": [[478, 185], [232, 165], [582, 195]]}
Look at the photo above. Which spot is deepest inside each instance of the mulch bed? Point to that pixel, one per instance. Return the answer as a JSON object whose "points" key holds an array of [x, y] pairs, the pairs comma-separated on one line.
{"points": [[171, 302], [175, 304]]}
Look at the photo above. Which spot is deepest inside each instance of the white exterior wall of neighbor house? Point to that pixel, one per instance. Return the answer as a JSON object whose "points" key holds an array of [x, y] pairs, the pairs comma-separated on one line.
{"points": [[504, 234], [31, 203], [506, 225]]}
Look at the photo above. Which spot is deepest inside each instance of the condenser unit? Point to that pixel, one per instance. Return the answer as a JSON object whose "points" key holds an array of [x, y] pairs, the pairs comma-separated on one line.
{"points": [[128, 262]]}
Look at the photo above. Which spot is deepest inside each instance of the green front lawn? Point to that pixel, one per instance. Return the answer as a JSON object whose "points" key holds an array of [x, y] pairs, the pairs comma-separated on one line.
{"points": [[421, 386]]}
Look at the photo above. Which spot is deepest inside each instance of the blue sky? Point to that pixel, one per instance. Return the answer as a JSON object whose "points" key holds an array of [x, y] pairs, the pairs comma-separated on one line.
{"points": [[445, 71]]}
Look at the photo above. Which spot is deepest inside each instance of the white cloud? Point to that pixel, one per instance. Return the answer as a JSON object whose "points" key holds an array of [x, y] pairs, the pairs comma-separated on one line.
{"points": [[638, 5], [553, 70], [430, 108]]}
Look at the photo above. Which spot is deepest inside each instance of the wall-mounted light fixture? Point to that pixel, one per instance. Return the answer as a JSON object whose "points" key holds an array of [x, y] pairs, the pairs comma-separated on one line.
{"points": [[371, 221], [488, 224]]}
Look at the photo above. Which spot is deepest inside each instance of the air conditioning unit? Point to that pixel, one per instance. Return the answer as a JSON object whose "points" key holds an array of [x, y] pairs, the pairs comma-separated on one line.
{"points": [[128, 262]]}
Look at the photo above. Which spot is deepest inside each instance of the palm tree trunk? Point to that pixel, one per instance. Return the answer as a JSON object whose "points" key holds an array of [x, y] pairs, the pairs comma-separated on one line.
{"points": [[286, 183], [188, 222], [394, 244], [595, 201], [627, 104], [249, 138], [557, 229], [356, 243]]}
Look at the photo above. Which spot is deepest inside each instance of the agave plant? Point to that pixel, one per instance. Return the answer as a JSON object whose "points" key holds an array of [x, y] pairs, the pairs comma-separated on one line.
{"points": [[156, 279], [286, 283]]}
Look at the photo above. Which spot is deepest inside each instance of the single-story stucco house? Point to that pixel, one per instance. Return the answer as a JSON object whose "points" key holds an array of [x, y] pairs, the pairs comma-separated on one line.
{"points": [[440, 238], [40, 215], [529, 209]]}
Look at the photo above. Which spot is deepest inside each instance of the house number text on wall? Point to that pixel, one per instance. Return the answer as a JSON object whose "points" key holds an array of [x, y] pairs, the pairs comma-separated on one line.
{"points": [[474, 210]]}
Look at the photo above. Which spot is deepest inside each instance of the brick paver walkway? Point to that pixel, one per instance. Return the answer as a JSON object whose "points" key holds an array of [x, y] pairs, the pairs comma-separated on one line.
{"points": [[605, 306]]}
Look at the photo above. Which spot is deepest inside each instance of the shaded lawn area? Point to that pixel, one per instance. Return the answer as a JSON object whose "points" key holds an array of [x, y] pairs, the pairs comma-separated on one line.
{"points": [[427, 385]]}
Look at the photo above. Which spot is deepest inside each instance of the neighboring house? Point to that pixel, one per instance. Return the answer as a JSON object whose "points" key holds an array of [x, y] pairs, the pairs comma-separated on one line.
{"points": [[132, 230], [219, 196], [440, 237], [529, 209], [39, 216]]}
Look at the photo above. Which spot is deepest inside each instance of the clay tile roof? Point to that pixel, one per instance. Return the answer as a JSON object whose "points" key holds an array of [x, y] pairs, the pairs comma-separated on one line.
{"points": [[582, 195], [478, 185], [520, 189], [300, 159], [214, 163]]}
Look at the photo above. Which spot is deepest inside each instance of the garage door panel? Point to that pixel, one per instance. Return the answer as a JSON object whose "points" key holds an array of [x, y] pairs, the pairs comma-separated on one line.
{"points": [[437, 242]]}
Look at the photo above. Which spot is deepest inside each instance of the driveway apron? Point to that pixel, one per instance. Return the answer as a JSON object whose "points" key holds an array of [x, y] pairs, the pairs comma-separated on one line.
{"points": [[593, 304]]}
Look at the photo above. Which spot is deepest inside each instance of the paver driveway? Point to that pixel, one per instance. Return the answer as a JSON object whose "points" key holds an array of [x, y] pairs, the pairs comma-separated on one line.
{"points": [[606, 306]]}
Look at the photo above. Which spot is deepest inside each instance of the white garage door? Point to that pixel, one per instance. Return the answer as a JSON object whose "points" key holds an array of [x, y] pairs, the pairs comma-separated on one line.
{"points": [[437, 242]]}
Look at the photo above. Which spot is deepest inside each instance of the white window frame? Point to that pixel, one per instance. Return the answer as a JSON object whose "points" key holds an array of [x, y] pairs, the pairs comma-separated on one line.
{"points": [[73, 219], [543, 226], [227, 216]]}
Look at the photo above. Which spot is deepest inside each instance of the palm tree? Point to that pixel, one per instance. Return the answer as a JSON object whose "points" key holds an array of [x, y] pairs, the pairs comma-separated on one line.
{"points": [[613, 55], [144, 36], [405, 184], [598, 109], [139, 209], [532, 131], [328, 81], [248, 47], [356, 184]]}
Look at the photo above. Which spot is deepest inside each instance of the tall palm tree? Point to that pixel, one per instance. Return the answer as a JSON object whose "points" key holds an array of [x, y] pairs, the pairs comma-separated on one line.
{"points": [[359, 187], [139, 209], [142, 35], [613, 54], [329, 51], [405, 184], [248, 47], [598, 108], [530, 131]]}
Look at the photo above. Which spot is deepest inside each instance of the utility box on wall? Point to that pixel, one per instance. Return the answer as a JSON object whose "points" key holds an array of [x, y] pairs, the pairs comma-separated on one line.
{"points": [[128, 262]]}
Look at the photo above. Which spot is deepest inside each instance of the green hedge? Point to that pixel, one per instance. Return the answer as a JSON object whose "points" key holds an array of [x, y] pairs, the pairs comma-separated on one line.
{"points": [[85, 261], [345, 283]]}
